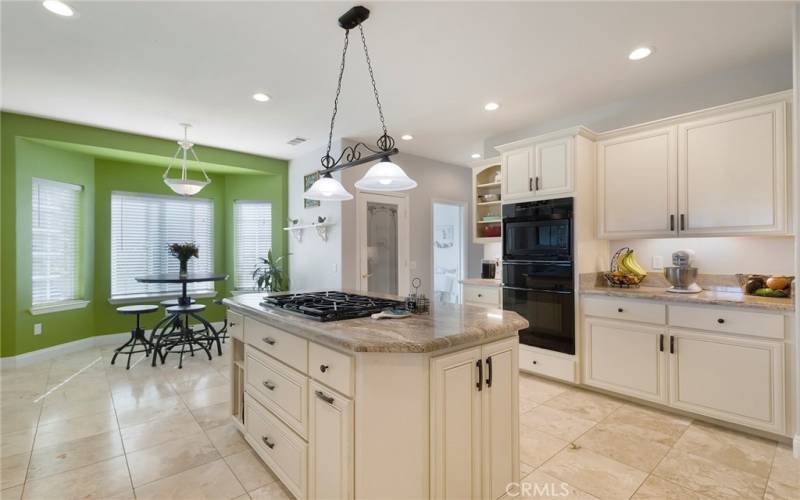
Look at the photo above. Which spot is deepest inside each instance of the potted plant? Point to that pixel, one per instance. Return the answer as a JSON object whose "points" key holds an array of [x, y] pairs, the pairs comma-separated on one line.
{"points": [[270, 275], [184, 252]]}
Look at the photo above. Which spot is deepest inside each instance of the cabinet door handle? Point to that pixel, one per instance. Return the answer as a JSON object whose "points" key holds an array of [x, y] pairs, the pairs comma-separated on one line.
{"points": [[672, 222], [323, 368], [671, 344], [321, 395], [231, 323], [619, 309], [267, 442], [720, 320], [536, 183], [530, 183], [479, 383], [480, 295], [269, 340], [661, 342], [269, 385], [489, 366], [683, 222]]}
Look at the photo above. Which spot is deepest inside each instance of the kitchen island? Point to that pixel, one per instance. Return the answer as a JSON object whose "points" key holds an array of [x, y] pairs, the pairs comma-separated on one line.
{"points": [[419, 407]]}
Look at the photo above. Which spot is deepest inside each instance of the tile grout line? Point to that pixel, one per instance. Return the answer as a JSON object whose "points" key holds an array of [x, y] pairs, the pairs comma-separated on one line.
{"points": [[671, 447], [35, 433]]}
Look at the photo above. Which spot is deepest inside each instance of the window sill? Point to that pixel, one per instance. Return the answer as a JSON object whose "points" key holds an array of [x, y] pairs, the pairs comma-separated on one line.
{"points": [[66, 305], [148, 297]]}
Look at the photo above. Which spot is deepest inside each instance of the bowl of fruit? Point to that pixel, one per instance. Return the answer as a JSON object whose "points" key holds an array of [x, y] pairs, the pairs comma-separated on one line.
{"points": [[775, 286], [625, 270]]}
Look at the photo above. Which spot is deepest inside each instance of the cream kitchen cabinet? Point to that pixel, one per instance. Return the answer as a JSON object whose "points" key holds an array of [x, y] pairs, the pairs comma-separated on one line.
{"points": [[717, 172], [722, 371], [517, 167], [553, 168], [330, 454], [475, 421]]}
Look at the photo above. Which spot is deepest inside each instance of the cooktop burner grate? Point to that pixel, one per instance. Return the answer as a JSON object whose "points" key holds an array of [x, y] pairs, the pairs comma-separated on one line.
{"points": [[331, 306]]}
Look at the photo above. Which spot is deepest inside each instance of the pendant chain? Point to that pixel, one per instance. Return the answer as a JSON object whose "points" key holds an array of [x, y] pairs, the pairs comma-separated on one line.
{"points": [[338, 91], [372, 78]]}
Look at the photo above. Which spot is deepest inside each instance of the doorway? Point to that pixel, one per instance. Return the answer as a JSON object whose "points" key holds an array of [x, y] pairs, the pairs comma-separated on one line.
{"points": [[383, 243], [449, 250]]}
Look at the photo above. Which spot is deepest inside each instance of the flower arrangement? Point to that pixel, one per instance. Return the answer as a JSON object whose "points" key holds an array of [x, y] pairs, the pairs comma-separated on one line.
{"points": [[183, 252]]}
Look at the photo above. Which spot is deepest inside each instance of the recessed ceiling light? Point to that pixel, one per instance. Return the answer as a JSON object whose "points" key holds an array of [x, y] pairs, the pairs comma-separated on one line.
{"points": [[407, 137], [640, 53], [261, 97], [475, 156], [491, 106], [58, 7]]}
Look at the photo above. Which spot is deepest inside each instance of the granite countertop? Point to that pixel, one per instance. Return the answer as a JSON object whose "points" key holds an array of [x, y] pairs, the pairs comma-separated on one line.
{"points": [[447, 325], [481, 282], [711, 295]]}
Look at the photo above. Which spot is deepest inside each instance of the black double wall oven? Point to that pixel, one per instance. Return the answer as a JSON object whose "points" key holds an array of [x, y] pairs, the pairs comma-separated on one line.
{"points": [[538, 271]]}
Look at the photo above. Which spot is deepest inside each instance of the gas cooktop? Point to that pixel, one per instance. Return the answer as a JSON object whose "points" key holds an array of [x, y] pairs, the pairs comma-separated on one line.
{"points": [[331, 306]]}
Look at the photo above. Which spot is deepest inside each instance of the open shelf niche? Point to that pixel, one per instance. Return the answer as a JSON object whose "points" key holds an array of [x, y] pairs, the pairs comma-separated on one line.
{"points": [[486, 200]]}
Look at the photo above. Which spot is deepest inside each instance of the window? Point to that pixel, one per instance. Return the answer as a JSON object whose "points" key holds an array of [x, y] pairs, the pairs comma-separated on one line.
{"points": [[252, 227], [143, 226], [55, 243]]}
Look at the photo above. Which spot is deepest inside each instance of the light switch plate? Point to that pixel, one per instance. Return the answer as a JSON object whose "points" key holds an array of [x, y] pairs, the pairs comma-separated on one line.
{"points": [[658, 262], [37, 329]]}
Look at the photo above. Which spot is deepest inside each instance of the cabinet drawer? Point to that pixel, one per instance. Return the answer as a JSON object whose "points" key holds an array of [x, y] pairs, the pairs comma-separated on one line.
{"points": [[281, 389], [235, 325], [283, 451], [482, 295], [728, 321], [533, 360], [331, 368], [626, 309], [282, 345]]}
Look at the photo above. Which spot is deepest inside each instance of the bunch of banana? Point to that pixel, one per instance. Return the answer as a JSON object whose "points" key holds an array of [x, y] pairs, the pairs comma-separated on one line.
{"points": [[628, 265]]}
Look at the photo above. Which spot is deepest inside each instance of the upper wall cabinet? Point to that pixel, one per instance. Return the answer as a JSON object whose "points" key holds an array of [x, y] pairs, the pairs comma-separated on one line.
{"points": [[720, 172], [541, 167]]}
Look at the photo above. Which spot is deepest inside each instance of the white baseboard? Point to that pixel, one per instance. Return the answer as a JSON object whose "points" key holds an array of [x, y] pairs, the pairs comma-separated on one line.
{"points": [[796, 446], [76, 345]]}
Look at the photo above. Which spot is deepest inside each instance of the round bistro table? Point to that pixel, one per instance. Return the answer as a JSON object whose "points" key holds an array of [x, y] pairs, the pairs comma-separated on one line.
{"points": [[183, 279]]}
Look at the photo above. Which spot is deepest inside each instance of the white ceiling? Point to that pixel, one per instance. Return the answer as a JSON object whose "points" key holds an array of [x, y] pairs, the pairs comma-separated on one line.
{"points": [[145, 66]]}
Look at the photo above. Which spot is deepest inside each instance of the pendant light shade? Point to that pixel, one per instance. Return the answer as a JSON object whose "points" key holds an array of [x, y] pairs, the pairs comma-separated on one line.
{"points": [[385, 176], [326, 188], [183, 185]]}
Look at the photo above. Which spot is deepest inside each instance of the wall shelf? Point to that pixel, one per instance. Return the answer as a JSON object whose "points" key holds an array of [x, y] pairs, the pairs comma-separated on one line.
{"points": [[321, 228], [486, 179]]}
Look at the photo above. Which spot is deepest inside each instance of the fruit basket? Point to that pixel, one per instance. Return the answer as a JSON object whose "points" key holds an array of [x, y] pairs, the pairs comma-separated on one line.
{"points": [[625, 271], [762, 285]]}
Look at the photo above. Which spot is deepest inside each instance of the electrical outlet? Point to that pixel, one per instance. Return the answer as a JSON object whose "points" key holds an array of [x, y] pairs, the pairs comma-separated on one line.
{"points": [[37, 329], [658, 262]]}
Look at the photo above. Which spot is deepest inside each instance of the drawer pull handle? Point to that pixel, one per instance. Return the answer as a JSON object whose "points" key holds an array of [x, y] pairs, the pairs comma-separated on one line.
{"points": [[534, 361], [619, 309], [231, 324], [269, 340], [321, 395], [269, 385], [267, 442], [323, 368], [480, 295], [720, 320]]}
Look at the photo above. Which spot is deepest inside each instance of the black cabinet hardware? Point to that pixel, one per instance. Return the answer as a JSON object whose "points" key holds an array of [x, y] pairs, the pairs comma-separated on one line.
{"points": [[269, 340], [720, 320], [479, 383], [671, 344], [619, 309], [530, 183], [683, 222], [661, 342], [672, 222], [269, 385], [480, 295], [535, 362], [536, 183], [321, 395], [323, 368], [267, 442], [489, 366], [231, 324]]}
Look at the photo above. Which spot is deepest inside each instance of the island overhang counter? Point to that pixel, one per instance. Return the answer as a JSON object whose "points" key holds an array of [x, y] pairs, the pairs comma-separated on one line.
{"points": [[419, 407]]}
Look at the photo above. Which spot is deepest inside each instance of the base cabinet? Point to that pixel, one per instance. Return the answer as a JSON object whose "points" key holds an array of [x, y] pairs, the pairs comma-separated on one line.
{"points": [[738, 380], [627, 358], [475, 422], [330, 453]]}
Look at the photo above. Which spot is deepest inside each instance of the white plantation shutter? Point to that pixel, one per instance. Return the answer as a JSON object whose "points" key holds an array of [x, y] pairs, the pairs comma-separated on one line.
{"points": [[55, 245], [143, 226], [252, 227]]}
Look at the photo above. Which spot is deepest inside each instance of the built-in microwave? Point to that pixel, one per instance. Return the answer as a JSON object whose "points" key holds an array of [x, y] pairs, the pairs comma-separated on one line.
{"points": [[538, 230]]}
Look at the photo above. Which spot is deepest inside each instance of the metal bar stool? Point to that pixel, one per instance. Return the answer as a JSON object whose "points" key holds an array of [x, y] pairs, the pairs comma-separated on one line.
{"points": [[182, 336], [137, 334], [174, 322], [222, 332]]}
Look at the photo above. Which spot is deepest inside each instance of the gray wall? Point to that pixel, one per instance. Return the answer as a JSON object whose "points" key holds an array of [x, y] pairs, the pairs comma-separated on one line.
{"points": [[764, 77], [436, 181]]}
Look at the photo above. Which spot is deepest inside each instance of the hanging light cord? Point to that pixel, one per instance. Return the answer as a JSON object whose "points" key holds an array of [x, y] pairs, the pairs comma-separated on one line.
{"points": [[385, 142]]}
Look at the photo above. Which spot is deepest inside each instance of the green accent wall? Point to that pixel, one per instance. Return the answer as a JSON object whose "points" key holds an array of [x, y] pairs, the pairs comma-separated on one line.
{"points": [[103, 161]]}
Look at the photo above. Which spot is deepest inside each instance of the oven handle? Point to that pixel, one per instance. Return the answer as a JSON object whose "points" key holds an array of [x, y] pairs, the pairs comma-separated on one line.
{"points": [[534, 290]]}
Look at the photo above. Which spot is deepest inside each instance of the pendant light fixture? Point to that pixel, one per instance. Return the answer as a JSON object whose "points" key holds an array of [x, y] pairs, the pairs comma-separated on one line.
{"points": [[183, 185], [384, 175]]}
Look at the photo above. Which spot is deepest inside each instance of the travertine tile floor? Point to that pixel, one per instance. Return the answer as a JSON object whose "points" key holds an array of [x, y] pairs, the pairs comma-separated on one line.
{"points": [[76, 427]]}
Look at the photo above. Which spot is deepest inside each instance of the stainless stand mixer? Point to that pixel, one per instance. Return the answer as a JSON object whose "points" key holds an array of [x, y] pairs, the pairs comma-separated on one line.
{"points": [[681, 274]]}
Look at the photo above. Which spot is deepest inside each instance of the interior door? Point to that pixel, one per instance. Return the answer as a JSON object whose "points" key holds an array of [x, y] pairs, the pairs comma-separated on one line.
{"points": [[449, 250], [637, 183], [383, 247], [553, 167], [732, 173], [500, 418]]}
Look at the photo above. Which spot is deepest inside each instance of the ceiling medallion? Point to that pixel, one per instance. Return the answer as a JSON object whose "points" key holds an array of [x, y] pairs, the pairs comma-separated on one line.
{"points": [[384, 175]]}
